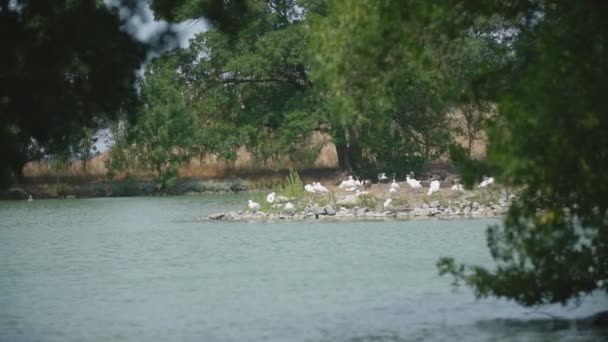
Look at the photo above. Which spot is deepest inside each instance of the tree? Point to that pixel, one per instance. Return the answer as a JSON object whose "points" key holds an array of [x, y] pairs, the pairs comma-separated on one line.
{"points": [[163, 136], [253, 85], [382, 96], [549, 138], [64, 64], [85, 148]]}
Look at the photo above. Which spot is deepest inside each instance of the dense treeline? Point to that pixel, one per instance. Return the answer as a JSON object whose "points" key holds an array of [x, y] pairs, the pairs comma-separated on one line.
{"points": [[382, 78], [255, 86], [248, 81]]}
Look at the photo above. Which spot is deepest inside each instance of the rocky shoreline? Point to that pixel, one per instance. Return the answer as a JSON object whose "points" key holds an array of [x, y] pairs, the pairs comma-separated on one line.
{"points": [[435, 209]]}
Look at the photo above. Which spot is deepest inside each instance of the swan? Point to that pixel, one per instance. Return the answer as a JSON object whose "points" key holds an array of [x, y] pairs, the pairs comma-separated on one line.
{"points": [[395, 185], [382, 178], [30, 198], [271, 197], [254, 206], [388, 205], [457, 187], [414, 184], [309, 188], [348, 183], [486, 182], [434, 187], [319, 188], [392, 191]]}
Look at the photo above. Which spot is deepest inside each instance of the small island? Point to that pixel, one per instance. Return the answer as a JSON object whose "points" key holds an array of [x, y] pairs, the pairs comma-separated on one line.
{"points": [[355, 200]]}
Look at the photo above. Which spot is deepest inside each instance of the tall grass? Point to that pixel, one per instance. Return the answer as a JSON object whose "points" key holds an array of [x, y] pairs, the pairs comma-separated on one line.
{"points": [[367, 201], [293, 187]]}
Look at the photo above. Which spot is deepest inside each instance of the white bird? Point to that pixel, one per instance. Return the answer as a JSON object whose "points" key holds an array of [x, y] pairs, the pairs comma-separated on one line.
{"points": [[254, 206], [309, 188], [414, 184], [382, 177], [350, 183], [319, 188], [289, 208], [30, 198], [434, 187], [271, 197], [395, 185], [457, 187], [388, 205], [392, 191], [360, 193], [486, 182]]}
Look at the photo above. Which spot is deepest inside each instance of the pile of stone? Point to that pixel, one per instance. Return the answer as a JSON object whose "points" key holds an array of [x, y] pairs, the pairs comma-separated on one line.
{"points": [[454, 209]]}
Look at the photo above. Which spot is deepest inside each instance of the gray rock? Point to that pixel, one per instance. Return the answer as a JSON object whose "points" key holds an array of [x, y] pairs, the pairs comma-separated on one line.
{"points": [[329, 210], [403, 215], [316, 210], [361, 211], [217, 216]]}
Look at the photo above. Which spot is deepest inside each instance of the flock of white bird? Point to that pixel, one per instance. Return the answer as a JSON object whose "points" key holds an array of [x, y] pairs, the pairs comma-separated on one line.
{"points": [[315, 188], [354, 185]]}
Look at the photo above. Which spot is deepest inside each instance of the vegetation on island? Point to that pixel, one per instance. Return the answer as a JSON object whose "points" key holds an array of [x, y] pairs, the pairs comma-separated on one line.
{"points": [[548, 136], [382, 78]]}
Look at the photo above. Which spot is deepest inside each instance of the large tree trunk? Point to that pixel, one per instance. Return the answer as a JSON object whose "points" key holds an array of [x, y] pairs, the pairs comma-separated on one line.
{"points": [[343, 158], [349, 151], [341, 143]]}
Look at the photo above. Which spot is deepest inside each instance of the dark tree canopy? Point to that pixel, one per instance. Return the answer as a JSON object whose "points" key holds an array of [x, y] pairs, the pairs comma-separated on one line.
{"points": [[226, 15], [64, 65]]}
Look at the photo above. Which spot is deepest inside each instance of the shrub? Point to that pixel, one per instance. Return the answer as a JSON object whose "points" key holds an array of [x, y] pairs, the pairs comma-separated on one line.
{"points": [[293, 187], [367, 201], [63, 190]]}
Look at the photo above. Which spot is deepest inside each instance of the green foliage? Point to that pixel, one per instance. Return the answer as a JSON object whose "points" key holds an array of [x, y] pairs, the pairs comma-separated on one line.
{"points": [[62, 190], [367, 201], [251, 87], [237, 185], [400, 202], [164, 136], [265, 206], [84, 147], [63, 66], [471, 170], [324, 199], [485, 196], [293, 187], [391, 99], [546, 73], [265, 183]]}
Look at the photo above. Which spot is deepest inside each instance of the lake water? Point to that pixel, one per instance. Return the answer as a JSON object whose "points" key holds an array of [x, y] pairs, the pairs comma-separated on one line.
{"points": [[155, 269]]}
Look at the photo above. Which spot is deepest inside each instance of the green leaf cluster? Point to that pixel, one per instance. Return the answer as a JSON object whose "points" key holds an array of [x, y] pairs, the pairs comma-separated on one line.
{"points": [[545, 73]]}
